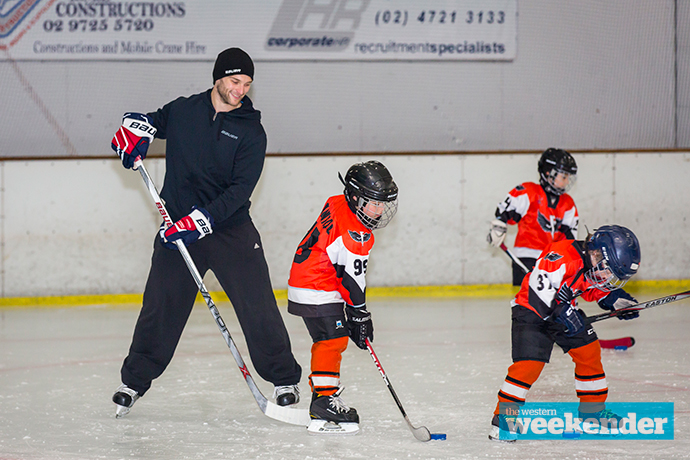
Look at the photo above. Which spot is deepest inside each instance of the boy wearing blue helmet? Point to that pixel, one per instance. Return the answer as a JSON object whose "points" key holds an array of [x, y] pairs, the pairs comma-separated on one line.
{"points": [[545, 312]]}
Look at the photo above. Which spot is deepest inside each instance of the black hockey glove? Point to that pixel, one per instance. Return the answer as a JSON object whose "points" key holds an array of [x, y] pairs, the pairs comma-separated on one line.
{"points": [[570, 317], [619, 299], [360, 326]]}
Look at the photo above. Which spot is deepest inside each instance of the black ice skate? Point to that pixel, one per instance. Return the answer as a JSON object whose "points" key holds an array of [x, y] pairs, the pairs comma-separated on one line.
{"points": [[124, 398], [286, 395], [330, 415], [505, 428]]}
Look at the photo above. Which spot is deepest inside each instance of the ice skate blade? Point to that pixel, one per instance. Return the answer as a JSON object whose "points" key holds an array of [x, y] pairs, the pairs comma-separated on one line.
{"points": [[121, 411], [319, 427], [499, 435]]}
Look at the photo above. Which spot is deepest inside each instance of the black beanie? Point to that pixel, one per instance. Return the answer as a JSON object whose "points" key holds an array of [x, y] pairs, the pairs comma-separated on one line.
{"points": [[233, 61]]}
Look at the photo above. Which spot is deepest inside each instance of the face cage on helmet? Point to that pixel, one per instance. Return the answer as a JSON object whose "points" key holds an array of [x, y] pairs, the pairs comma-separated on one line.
{"points": [[551, 179], [601, 277], [365, 207]]}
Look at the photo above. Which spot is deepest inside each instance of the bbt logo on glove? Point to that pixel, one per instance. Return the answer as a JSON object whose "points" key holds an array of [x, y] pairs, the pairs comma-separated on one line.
{"points": [[192, 227], [133, 138], [145, 127]]}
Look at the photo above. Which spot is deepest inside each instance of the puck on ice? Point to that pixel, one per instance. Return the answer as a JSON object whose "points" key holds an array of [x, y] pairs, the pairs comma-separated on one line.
{"points": [[438, 436]]}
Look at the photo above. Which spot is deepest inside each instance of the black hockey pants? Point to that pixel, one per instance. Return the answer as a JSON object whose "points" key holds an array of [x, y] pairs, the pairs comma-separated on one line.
{"points": [[236, 257]]}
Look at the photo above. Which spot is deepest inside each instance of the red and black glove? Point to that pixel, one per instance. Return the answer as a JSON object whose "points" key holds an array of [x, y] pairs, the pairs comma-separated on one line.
{"points": [[133, 138], [192, 227]]}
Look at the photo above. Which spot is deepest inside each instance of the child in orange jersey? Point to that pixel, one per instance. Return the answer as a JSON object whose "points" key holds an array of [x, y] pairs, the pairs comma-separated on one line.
{"points": [[327, 285], [543, 212], [545, 312]]}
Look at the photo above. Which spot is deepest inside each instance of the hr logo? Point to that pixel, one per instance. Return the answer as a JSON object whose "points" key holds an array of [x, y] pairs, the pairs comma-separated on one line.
{"points": [[310, 25]]}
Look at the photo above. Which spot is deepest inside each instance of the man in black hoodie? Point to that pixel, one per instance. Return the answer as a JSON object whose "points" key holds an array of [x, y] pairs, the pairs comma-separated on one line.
{"points": [[215, 152]]}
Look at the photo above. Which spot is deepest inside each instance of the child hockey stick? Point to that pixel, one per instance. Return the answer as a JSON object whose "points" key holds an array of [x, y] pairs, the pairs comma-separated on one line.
{"points": [[618, 344], [517, 261], [613, 343], [421, 433], [284, 414], [639, 306]]}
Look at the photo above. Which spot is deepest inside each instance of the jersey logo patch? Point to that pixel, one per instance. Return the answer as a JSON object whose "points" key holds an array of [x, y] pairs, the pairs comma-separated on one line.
{"points": [[546, 224], [553, 256], [359, 237]]}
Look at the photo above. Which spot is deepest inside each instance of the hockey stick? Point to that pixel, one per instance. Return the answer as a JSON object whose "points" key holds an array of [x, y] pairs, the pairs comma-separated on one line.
{"points": [[421, 433], [617, 344], [638, 307], [284, 414], [517, 261]]}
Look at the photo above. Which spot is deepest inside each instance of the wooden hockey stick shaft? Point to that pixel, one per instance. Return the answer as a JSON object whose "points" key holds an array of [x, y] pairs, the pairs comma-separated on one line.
{"points": [[421, 433], [284, 414]]}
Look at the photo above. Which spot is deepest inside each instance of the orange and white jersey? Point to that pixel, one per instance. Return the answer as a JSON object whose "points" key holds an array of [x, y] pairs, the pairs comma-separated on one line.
{"points": [[330, 264], [561, 266], [539, 221]]}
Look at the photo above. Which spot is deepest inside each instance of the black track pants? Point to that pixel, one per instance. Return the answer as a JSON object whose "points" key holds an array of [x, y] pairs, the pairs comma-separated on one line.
{"points": [[236, 258]]}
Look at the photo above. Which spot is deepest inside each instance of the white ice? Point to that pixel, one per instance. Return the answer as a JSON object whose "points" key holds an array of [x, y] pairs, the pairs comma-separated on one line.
{"points": [[446, 359]]}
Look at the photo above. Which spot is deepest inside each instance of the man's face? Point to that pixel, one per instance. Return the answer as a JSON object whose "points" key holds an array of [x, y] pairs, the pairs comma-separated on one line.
{"points": [[233, 88]]}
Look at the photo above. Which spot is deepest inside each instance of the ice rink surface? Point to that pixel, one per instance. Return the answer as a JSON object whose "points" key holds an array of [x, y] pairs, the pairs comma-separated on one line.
{"points": [[446, 359]]}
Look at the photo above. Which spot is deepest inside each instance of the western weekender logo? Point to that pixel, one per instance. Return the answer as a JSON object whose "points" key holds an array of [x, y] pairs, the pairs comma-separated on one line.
{"points": [[630, 421]]}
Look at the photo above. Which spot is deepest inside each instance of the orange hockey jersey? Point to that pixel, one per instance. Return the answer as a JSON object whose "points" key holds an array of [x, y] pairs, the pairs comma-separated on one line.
{"points": [[330, 264], [560, 266], [539, 222]]}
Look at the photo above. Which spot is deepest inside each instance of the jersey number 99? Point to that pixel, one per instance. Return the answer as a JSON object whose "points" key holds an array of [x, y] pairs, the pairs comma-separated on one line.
{"points": [[360, 266]]}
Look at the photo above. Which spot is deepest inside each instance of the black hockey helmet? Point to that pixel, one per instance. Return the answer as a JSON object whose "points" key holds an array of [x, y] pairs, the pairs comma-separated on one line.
{"points": [[620, 257], [552, 162], [371, 193]]}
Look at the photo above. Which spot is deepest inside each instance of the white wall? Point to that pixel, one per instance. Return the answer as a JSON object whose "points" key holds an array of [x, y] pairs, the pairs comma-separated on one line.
{"points": [[588, 75], [86, 227]]}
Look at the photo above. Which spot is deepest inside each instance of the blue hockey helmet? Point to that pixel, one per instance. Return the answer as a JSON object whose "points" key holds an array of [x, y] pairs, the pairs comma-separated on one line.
{"points": [[616, 257]]}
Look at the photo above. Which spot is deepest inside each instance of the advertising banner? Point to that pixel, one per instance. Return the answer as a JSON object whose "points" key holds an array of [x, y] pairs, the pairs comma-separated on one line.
{"points": [[268, 29]]}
